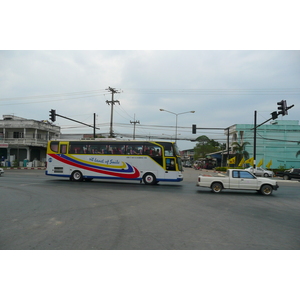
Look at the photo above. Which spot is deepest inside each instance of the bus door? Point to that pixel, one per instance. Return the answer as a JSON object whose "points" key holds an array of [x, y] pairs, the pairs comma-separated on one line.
{"points": [[170, 163]]}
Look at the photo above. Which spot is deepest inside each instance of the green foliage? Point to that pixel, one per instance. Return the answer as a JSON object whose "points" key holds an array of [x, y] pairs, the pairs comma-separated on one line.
{"points": [[221, 169], [224, 169], [281, 168], [240, 151], [205, 146]]}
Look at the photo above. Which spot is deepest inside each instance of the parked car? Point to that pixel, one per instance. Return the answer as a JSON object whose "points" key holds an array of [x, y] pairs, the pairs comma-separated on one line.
{"points": [[260, 172], [289, 174], [1, 171]]}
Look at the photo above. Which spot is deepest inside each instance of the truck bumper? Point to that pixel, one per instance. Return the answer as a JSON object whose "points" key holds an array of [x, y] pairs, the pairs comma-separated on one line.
{"points": [[275, 187]]}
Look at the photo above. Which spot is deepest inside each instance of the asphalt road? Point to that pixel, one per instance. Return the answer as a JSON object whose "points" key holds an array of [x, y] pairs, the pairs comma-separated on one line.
{"points": [[43, 212]]}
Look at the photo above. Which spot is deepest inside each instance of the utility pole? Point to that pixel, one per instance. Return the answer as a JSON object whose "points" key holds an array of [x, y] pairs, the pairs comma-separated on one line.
{"points": [[94, 132], [112, 103], [134, 123]]}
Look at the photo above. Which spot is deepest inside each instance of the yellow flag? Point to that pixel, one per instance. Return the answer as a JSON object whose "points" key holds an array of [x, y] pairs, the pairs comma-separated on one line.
{"points": [[250, 161], [269, 164], [231, 161], [260, 162], [241, 162]]}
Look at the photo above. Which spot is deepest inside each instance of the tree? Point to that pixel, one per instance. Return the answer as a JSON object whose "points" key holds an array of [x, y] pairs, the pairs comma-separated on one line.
{"points": [[205, 146], [240, 151]]}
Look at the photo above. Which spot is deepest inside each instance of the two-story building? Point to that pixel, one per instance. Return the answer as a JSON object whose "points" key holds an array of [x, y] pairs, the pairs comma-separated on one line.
{"points": [[24, 140]]}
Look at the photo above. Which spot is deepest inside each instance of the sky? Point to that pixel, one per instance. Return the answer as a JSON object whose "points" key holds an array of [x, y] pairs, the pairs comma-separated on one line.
{"points": [[174, 58], [222, 87]]}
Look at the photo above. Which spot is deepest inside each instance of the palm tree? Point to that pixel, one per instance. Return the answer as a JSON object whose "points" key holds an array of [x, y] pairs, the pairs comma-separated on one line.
{"points": [[239, 149]]}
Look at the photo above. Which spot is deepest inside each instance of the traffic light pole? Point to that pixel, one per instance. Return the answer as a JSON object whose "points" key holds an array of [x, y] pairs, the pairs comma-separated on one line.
{"points": [[282, 111], [254, 142], [76, 121], [53, 115]]}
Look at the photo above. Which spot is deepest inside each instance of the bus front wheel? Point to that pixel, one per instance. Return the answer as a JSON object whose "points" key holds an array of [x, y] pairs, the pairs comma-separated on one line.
{"points": [[149, 178], [76, 176]]}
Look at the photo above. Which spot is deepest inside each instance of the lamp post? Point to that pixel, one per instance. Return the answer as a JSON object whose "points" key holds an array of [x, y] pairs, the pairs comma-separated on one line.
{"points": [[187, 112]]}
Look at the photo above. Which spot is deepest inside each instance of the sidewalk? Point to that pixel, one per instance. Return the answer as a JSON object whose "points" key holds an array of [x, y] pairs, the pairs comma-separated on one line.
{"points": [[23, 168]]}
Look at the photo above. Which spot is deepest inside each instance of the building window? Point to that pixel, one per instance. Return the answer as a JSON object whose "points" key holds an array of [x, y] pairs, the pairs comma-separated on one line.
{"points": [[18, 135]]}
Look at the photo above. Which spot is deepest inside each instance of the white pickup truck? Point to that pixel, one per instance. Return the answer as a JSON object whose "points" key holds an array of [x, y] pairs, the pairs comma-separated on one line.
{"points": [[238, 179]]}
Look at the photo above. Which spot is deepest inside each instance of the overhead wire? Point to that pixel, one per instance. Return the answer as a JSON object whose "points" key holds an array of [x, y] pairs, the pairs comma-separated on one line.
{"points": [[55, 95], [91, 93], [103, 92]]}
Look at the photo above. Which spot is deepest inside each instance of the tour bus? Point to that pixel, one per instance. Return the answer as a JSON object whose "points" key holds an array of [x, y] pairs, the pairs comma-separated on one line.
{"points": [[146, 161]]}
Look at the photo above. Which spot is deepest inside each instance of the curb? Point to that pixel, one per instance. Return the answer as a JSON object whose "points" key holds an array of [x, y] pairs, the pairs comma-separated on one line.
{"points": [[24, 168]]}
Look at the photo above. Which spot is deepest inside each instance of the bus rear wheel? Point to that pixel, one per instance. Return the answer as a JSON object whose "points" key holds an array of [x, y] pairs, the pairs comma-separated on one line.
{"points": [[149, 178], [76, 176]]}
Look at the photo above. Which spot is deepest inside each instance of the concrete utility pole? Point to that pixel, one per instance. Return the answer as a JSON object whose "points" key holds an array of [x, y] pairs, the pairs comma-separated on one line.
{"points": [[134, 123], [112, 103]]}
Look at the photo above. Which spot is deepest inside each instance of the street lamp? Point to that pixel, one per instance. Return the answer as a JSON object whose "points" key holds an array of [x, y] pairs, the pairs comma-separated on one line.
{"points": [[187, 112]]}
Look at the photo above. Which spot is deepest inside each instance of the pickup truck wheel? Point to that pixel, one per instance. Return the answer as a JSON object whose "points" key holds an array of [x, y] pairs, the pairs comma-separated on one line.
{"points": [[266, 190], [216, 187], [286, 177]]}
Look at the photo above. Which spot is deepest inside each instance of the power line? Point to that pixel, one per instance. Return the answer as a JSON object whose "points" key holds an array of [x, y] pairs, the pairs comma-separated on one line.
{"points": [[90, 93], [52, 100], [286, 91], [54, 95], [277, 140]]}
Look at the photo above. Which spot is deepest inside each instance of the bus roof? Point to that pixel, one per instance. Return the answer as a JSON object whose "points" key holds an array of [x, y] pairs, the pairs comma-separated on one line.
{"points": [[110, 140]]}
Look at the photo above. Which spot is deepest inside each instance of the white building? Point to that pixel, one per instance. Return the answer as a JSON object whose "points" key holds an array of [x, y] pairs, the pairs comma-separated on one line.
{"points": [[23, 140]]}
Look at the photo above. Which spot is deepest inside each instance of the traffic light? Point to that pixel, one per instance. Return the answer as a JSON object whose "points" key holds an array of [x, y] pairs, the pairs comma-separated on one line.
{"points": [[52, 115], [285, 108], [194, 128], [274, 115], [282, 108]]}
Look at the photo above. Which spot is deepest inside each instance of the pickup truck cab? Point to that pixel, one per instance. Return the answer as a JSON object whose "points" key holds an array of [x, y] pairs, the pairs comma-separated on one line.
{"points": [[238, 179]]}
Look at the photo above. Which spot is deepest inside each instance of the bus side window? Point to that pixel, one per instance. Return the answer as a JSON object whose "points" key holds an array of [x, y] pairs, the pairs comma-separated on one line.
{"points": [[63, 149], [75, 149], [155, 151], [54, 146]]}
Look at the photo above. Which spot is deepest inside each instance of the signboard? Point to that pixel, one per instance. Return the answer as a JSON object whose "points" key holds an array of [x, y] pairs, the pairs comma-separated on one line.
{"points": [[3, 145]]}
